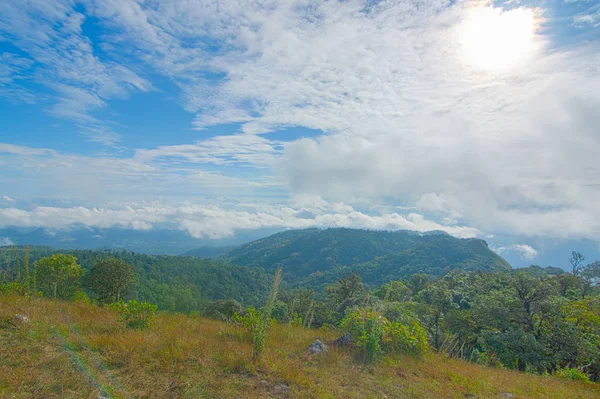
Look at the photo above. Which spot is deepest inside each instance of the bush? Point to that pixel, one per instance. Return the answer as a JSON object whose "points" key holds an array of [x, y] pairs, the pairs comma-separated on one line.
{"points": [[81, 296], [400, 338], [366, 328], [135, 314], [375, 335], [13, 288], [223, 310], [572, 374], [250, 319]]}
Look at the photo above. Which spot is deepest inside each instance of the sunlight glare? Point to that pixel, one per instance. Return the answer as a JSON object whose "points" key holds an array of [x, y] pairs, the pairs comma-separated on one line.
{"points": [[497, 40]]}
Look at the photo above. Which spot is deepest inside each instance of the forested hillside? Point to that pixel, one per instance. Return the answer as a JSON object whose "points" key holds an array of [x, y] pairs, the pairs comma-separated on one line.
{"points": [[317, 257], [175, 283]]}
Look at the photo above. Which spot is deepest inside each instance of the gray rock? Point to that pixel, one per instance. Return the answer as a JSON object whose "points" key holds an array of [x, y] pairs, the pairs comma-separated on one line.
{"points": [[281, 390], [317, 347], [507, 395], [344, 341], [22, 318], [263, 384]]}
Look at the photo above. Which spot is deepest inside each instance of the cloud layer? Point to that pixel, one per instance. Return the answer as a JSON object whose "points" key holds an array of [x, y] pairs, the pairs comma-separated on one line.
{"points": [[212, 221], [409, 124]]}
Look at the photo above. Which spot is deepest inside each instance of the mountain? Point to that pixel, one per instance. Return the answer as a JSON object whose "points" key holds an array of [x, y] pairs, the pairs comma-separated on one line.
{"points": [[208, 252], [154, 241], [314, 257]]}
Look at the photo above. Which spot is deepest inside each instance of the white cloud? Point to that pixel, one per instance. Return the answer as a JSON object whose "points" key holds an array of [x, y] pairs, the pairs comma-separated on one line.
{"points": [[220, 150], [5, 241], [59, 56], [523, 250], [408, 121], [7, 198], [405, 114], [104, 178], [211, 221]]}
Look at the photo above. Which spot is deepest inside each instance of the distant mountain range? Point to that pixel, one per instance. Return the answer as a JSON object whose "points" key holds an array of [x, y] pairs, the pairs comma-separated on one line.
{"points": [[155, 241], [316, 257], [311, 258]]}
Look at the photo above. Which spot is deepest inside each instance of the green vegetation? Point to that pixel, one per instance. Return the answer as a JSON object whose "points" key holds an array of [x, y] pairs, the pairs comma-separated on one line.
{"points": [[259, 332], [58, 276], [110, 279], [533, 320], [72, 350], [135, 314], [315, 257], [176, 284]]}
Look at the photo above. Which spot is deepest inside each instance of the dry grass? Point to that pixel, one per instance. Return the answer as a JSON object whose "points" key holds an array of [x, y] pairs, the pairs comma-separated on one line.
{"points": [[75, 350]]}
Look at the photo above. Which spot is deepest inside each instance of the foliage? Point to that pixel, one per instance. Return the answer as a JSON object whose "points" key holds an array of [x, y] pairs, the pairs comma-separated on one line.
{"points": [[78, 350], [134, 314], [317, 257], [13, 288], [572, 374], [375, 335], [250, 319], [405, 338], [173, 283], [110, 279], [224, 310], [81, 296], [366, 328], [59, 275]]}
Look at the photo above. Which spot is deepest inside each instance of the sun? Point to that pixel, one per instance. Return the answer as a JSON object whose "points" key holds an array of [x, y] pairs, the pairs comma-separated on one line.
{"points": [[497, 40]]}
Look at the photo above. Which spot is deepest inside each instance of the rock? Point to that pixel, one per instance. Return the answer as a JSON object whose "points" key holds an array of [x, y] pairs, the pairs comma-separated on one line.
{"points": [[281, 390], [263, 384], [22, 318], [507, 395], [344, 341], [317, 347]]}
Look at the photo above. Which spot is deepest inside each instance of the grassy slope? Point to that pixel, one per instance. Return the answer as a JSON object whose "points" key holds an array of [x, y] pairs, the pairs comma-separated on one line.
{"points": [[74, 350]]}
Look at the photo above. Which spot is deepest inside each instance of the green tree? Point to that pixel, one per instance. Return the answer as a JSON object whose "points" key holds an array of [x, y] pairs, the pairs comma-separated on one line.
{"points": [[439, 300], [59, 275], [110, 279], [394, 291], [576, 261], [418, 282], [345, 293]]}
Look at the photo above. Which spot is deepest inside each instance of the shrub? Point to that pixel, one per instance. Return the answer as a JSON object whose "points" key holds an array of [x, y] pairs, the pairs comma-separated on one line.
{"points": [[13, 288], [250, 319], [135, 314], [375, 335], [223, 310], [572, 374], [400, 338], [366, 328], [81, 296]]}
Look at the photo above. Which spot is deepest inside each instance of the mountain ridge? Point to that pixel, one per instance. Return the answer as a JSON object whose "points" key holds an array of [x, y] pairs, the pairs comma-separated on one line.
{"points": [[319, 256]]}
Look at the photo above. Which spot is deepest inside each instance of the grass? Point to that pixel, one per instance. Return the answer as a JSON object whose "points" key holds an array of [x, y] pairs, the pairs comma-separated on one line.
{"points": [[77, 350]]}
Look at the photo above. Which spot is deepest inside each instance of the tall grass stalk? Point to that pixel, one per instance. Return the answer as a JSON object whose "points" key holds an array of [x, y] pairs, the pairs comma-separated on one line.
{"points": [[26, 269], [260, 332]]}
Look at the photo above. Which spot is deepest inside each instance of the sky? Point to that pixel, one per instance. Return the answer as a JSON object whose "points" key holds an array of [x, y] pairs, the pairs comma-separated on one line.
{"points": [[476, 118]]}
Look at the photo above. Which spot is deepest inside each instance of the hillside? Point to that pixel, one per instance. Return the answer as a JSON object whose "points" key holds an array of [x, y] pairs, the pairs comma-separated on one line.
{"points": [[175, 283], [318, 256], [77, 350], [208, 252]]}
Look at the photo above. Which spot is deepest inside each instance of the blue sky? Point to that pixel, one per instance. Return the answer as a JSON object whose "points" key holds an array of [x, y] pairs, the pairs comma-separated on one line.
{"points": [[214, 117]]}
